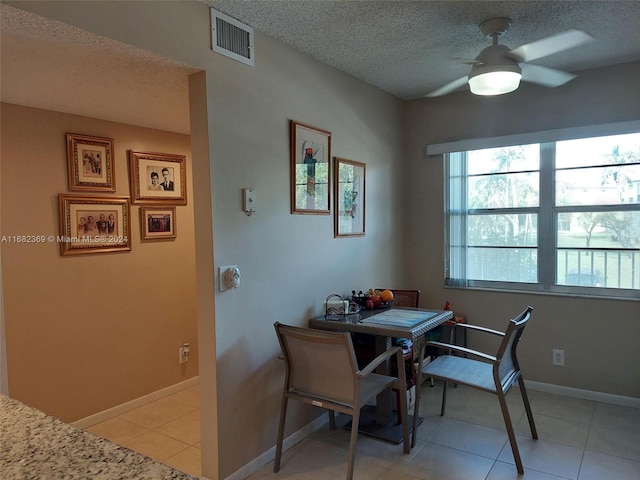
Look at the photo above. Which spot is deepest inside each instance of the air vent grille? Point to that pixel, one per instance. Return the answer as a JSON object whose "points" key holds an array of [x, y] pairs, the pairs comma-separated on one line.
{"points": [[232, 38]]}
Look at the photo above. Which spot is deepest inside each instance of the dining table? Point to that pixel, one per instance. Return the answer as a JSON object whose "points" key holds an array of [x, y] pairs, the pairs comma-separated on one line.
{"points": [[386, 325]]}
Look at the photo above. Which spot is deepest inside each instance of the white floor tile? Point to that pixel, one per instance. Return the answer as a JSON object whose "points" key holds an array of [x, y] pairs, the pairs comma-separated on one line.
{"points": [[598, 466], [444, 463], [578, 440], [618, 440], [547, 457], [505, 471], [557, 406]]}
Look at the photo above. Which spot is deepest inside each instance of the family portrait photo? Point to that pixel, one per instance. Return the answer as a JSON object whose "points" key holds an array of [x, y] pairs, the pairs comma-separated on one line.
{"points": [[90, 163], [158, 223], [93, 224], [158, 178], [97, 223]]}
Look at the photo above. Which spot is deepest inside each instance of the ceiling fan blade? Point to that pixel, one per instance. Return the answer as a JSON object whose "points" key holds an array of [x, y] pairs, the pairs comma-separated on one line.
{"points": [[466, 61], [449, 87], [550, 45], [549, 77]]}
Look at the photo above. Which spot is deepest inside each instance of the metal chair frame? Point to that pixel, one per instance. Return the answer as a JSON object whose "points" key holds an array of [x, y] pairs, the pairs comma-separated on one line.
{"points": [[493, 373], [322, 370]]}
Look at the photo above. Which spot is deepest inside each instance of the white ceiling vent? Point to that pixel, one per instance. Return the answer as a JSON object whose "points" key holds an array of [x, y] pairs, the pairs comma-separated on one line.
{"points": [[232, 38]]}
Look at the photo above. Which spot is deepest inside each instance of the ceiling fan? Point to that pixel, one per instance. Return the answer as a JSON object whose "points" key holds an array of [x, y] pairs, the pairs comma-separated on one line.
{"points": [[498, 69]]}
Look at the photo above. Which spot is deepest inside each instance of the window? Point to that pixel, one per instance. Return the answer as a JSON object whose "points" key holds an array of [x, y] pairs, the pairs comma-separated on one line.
{"points": [[559, 216]]}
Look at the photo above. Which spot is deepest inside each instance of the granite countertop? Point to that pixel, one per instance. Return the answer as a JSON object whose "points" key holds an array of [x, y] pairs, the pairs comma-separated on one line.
{"points": [[34, 445]]}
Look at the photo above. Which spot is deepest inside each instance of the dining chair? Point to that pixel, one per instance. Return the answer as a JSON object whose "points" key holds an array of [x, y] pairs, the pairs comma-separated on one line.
{"points": [[408, 299], [321, 370], [492, 373], [404, 298]]}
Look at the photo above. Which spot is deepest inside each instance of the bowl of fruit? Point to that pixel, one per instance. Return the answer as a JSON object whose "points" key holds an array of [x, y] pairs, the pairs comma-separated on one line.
{"points": [[372, 299]]}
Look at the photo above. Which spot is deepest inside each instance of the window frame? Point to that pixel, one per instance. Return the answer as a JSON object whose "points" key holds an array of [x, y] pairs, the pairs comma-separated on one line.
{"points": [[547, 212]]}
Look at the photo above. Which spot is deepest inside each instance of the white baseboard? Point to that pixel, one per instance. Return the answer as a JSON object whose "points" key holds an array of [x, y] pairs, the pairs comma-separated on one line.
{"points": [[583, 394], [253, 466], [138, 402]]}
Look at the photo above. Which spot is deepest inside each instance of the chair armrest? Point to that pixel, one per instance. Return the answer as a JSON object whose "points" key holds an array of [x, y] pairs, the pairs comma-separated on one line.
{"points": [[456, 348], [478, 328], [378, 360]]}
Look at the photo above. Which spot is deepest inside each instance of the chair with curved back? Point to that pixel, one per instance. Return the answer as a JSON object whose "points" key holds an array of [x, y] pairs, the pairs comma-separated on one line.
{"points": [[408, 299], [322, 370], [492, 373], [404, 298]]}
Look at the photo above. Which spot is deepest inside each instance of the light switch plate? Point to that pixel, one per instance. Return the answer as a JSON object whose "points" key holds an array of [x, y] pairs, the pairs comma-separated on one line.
{"points": [[248, 200]]}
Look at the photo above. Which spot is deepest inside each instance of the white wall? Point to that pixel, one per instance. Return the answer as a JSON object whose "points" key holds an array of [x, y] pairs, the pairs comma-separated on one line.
{"points": [[600, 337], [289, 263]]}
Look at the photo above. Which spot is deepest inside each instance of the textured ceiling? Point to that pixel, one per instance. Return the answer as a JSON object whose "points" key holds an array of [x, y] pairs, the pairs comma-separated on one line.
{"points": [[409, 48], [51, 65]]}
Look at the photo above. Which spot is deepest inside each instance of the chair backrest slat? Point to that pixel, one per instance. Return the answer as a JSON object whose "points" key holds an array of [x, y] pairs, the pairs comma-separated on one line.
{"points": [[405, 298], [319, 364], [506, 368]]}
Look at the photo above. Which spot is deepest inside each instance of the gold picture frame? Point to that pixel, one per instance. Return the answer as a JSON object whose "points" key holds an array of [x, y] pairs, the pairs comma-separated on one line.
{"points": [[310, 152], [158, 223], [157, 178], [93, 224], [90, 163], [350, 184]]}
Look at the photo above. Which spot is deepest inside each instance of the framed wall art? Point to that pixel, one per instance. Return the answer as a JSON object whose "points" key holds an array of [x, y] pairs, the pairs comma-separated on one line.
{"points": [[349, 182], [310, 169], [90, 163], [158, 223], [94, 224], [158, 178]]}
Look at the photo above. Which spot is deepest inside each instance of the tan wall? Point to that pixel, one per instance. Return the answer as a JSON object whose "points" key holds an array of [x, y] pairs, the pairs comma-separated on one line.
{"points": [[291, 262], [89, 332], [600, 336]]}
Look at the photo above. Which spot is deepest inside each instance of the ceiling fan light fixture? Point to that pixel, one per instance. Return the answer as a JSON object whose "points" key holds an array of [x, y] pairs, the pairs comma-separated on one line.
{"points": [[495, 80]]}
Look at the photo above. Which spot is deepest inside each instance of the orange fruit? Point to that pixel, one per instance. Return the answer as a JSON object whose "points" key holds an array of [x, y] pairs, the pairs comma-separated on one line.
{"points": [[386, 295]]}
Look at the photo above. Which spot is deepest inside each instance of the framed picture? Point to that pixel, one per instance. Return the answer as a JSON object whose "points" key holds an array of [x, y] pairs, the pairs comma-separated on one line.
{"points": [[310, 170], [94, 224], [349, 182], [90, 163], [158, 222], [158, 178]]}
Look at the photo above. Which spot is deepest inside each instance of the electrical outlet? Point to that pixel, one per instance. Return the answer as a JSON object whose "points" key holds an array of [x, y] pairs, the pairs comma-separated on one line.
{"points": [[558, 358], [183, 353]]}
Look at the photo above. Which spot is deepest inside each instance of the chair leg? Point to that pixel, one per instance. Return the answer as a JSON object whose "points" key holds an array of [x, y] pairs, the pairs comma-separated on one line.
{"points": [[402, 407], [332, 420], [527, 407], [416, 407], [510, 432], [443, 407], [400, 414], [355, 425], [283, 414]]}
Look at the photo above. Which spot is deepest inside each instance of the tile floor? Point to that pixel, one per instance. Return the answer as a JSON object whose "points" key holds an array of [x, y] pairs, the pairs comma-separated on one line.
{"points": [[578, 440], [167, 430]]}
